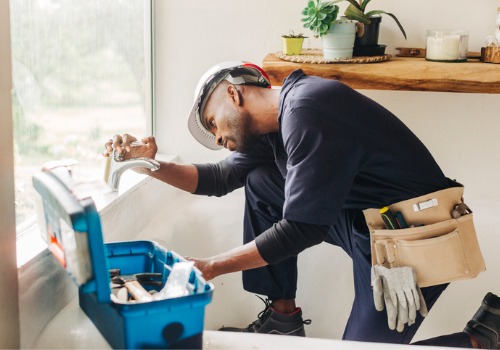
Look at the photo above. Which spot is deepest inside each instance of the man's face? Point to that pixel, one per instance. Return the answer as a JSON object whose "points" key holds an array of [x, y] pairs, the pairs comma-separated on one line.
{"points": [[230, 124], [239, 136]]}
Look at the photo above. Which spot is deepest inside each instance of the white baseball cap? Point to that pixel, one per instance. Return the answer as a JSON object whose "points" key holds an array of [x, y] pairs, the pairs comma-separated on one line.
{"points": [[235, 72]]}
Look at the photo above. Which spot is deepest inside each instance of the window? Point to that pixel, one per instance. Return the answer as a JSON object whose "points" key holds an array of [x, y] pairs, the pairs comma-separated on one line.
{"points": [[81, 73]]}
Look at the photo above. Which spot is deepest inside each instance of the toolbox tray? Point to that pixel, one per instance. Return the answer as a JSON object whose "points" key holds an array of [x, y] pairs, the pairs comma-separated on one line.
{"points": [[73, 233]]}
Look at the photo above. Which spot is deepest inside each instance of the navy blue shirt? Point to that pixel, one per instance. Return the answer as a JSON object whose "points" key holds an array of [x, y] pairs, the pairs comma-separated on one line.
{"points": [[336, 149]]}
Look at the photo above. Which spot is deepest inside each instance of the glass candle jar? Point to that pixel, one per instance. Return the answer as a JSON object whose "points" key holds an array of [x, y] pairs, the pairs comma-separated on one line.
{"points": [[447, 45]]}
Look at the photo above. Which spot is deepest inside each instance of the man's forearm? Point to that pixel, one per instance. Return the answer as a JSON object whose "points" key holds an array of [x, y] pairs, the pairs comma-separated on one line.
{"points": [[182, 176], [242, 258]]}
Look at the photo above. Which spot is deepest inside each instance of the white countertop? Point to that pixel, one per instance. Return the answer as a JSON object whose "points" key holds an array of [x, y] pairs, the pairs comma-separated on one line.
{"points": [[72, 329]]}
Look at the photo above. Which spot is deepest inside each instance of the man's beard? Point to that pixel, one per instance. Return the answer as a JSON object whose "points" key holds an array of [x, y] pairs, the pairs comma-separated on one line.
{"points": [[241, 135]]}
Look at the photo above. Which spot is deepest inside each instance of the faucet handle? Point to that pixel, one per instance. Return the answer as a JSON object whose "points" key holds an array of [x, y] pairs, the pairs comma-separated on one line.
{"points": [[118, 157]]}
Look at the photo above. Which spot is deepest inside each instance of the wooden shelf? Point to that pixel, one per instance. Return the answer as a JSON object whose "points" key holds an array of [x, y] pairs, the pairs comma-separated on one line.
{"points": [[409, 74]]}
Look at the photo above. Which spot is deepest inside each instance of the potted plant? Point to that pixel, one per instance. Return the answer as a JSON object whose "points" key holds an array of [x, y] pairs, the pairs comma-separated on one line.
{"points": [[292, 43], [337, 35], [366, 43]]}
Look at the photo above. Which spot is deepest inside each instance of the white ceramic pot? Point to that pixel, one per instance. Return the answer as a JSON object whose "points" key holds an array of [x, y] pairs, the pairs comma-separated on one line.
{"points": [[339, 41]]}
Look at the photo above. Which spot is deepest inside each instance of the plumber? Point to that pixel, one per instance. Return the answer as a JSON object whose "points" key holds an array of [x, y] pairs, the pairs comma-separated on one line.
{"points": [[311, 156]]}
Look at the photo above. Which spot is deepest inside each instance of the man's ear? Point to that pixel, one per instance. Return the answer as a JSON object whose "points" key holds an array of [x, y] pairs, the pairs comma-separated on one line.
{"points": [[234, 95]]}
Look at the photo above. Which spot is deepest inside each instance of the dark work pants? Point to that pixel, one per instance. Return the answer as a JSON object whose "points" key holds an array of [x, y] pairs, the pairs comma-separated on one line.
{"points": [[264, 191]]}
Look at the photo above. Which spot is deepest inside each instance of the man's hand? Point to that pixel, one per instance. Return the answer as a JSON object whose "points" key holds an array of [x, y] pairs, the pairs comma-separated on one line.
{"points": [[241, 258], [129, 148], [205, 266]]}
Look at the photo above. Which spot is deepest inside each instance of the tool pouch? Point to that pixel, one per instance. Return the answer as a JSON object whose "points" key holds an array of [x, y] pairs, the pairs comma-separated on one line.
{"points": [[439, 247]]}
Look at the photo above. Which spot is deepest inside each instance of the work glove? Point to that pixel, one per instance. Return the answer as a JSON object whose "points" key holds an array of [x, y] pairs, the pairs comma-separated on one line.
{"points": [[397, 290]]}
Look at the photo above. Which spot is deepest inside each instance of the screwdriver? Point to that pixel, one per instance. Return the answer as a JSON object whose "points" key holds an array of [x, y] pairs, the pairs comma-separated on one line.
{"points": [[389, 219], [401, 220]]}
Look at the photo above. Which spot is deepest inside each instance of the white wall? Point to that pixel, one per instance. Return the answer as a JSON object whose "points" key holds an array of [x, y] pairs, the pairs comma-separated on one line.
{"points": [[192, 35], [459, 129]]}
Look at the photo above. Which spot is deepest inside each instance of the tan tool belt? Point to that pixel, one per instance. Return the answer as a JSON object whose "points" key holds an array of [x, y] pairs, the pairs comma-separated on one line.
{"points": [[439, 247]]}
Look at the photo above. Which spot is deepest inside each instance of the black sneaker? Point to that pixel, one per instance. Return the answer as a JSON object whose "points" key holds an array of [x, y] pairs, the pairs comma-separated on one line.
{"points": [[270, 321], [485, 324]]}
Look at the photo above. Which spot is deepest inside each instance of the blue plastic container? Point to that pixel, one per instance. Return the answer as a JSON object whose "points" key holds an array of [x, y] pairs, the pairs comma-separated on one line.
{"points": [[74, 236]]}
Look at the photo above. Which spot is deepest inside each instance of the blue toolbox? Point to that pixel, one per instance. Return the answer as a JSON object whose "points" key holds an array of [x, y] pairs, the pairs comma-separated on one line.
{"points": [[103, 270]]}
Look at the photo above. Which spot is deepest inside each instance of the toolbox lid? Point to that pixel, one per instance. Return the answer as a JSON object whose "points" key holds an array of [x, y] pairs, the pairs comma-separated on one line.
{"points": [[72, 230]]}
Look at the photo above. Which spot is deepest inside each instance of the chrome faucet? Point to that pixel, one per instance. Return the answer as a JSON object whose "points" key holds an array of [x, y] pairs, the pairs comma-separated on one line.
{"points": [[118, 167]]}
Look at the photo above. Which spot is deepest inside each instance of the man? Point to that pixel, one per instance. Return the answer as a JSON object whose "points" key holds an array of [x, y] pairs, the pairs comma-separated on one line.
{"points": [[311, 157]]}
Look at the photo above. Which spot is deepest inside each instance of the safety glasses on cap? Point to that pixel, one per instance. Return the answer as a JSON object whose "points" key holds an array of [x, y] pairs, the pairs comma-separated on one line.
{"points": [[237, 73]]}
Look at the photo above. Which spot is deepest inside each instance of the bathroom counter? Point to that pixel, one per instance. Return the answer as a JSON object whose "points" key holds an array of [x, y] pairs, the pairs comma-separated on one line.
{"points": [[72, 329]]}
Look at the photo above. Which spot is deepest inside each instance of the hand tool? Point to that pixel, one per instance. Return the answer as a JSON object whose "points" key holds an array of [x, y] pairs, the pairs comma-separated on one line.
{"points": [[153, 279], [135, 289], [401, 220], [459, 210], [120, 293], [389, 219], [114, 272]]}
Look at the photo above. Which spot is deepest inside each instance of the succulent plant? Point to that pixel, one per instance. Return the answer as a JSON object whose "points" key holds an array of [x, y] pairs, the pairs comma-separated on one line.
{"points": [[357, 11], [291, 34], [319, 16]]}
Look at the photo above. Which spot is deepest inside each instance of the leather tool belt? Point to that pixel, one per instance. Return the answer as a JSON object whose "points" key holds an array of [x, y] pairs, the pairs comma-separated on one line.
{"points": [[438, 243]]}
